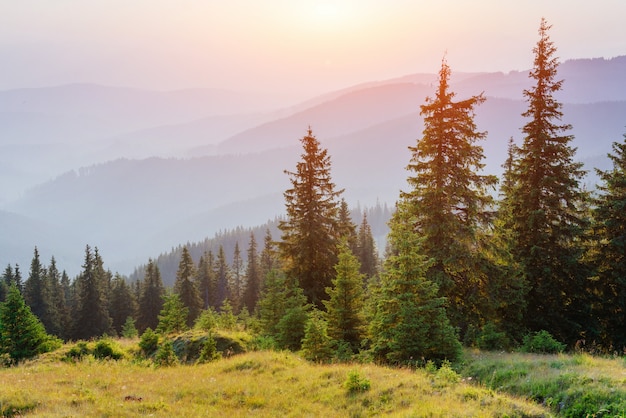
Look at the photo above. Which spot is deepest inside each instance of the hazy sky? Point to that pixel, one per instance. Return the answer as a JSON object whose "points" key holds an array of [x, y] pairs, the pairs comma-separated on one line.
{"points": [[295, 47]]}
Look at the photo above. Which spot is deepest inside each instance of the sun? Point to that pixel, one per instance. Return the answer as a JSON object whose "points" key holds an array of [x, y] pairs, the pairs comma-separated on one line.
{"points": [[327, 11]]}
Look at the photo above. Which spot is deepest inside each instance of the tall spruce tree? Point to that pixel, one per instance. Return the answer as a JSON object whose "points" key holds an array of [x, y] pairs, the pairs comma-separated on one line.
{"points": [[236, 285], [122, 303], [311, 231], [92, 312], [609, 255], [366, 249], [547, 223], [150, 298], [222, 272], [206, 280], [37, 291], [185, 286], [253, 276], [269, 256], [409, 322], [450, 202], [58, 319]]}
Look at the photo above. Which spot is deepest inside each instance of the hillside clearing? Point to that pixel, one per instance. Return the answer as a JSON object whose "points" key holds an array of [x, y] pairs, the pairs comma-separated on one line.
{"points": [[254, 384]]}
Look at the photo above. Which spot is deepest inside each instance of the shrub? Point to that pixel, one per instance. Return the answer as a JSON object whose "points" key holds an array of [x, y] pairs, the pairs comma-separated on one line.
{"points": [[207, 320], [106, 349], [129, 330], [491, 339], [209, 350], [356, 383], [149, 342], [78, 351], [446, 375], [316, 342], [165, 355], [542, 342]]}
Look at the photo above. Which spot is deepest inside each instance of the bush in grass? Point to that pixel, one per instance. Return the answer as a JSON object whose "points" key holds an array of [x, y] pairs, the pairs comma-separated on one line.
{"points": [[78, 351], [106, 349], [446, 376], [149, 342], [209, 350], [541, 342], [129, 330], [165, 355], [490, 338], [356, 383], [207, 320]]}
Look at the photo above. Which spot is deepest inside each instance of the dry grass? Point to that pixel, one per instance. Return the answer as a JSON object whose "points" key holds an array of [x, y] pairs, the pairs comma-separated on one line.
{"points": [[259, 384]]}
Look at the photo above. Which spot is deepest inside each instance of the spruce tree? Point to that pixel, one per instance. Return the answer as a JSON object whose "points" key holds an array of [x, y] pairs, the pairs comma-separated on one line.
{"points": [[22, 335], [92, 314], [609, 255], [236, 285], [58, 319], [151, 298], [122, 303], [344, 308], [311, 231], [546, 200], [173, 316], [409, 324], [222, 273], [269, 256], [36, 291], [253, 276], [206, 280], [185, 286], [366, 249], [449, 201], [347, 228]]}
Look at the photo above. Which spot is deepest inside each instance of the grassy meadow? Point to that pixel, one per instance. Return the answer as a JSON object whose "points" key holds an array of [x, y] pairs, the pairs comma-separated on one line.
{"points": [[260, 383], [281, 383]]}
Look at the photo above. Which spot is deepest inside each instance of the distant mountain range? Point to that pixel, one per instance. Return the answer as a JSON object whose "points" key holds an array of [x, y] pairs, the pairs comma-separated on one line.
{"points": [[137, 172]]}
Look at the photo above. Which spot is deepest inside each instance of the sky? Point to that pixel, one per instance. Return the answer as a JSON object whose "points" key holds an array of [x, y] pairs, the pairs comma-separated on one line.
{"points": [[287, 47]]}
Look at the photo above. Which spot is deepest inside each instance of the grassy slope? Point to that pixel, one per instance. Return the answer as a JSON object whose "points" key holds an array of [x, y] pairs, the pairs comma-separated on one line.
{"points": [[253, 384], [571, 385]]}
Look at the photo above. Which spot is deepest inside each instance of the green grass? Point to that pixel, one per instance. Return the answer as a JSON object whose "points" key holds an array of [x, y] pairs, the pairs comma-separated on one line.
{"points": [[261, 384], [570, 385]]}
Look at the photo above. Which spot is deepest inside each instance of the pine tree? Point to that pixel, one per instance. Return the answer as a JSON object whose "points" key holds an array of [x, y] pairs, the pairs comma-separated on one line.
{"points": [[122, 303], [22, 335], [186, 288], [253, 276], [222, 273], [151, 298], [272, 304], [36, 291], [269, 256], [311, 232], [92, 314], [366, 249], [206, 280], [450, 202], [609, 255], [409, 322], [12, 277], [235, 287], [547, 222], [173, 316], [347, 228], [316, 344], [58, 319], [344, 308]]}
